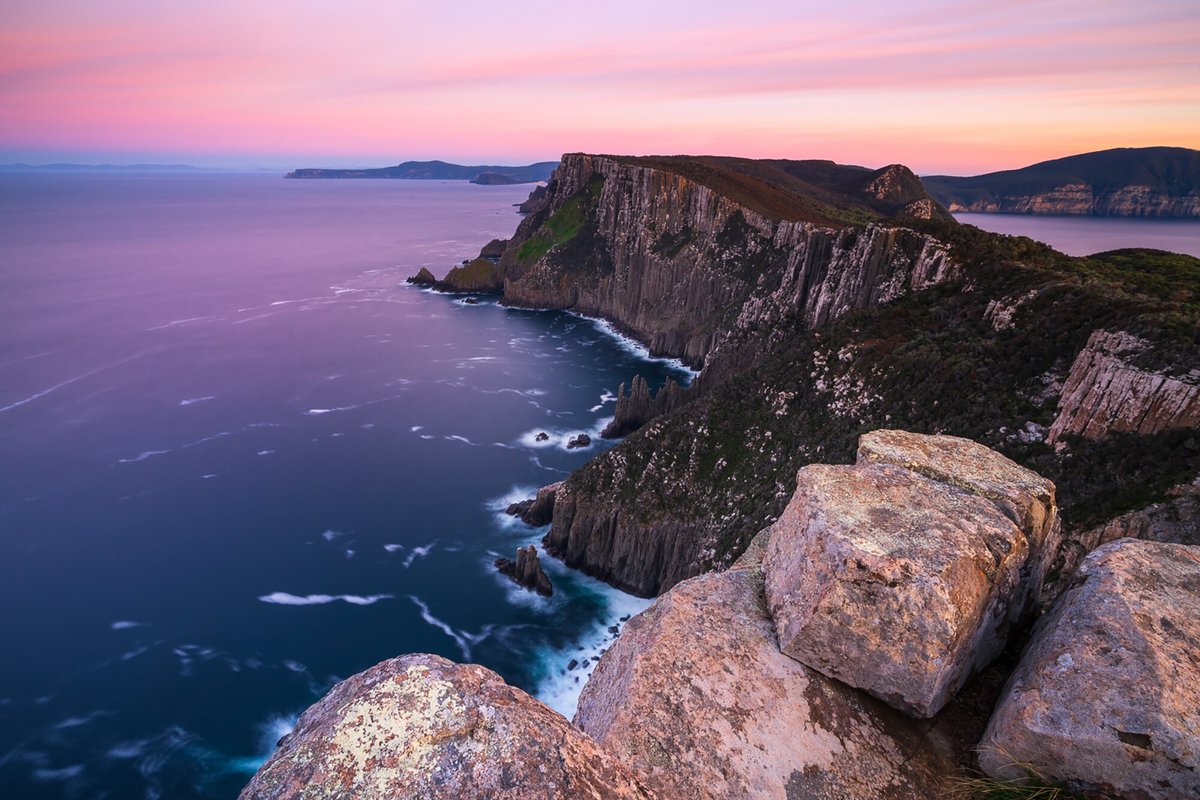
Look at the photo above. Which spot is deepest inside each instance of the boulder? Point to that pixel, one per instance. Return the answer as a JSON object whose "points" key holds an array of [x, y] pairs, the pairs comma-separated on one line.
{"points": [[541, 511], [420, 726], [696, 698], [1107, 695], [582, 440], [903, 574], [527, 571]]}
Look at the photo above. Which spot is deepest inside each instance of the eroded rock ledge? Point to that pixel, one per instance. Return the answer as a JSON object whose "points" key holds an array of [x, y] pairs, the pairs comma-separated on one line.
{"points": [[706, 695]]}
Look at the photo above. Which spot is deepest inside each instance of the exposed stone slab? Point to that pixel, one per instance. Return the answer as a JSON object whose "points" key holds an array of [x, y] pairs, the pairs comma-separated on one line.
{"points": [[1107, 695], [903, 575], [697, 699], [420, 726]]}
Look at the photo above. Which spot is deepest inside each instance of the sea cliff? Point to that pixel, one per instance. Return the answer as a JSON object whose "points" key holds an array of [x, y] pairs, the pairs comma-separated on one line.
{"points": [[815, 315]]}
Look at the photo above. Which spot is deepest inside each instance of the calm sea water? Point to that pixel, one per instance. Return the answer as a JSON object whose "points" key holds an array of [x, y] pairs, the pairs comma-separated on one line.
{"points": [[1082, 236], [240, 460]]}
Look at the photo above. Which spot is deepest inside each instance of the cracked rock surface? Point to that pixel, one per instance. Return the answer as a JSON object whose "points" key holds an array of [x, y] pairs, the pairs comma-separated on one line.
{"points": [[420, 726], [1107, 695]]}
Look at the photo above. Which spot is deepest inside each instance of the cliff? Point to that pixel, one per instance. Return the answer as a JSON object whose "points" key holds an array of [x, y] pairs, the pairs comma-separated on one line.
{"points": [[815, 317], [1106, 392], [671, 249], [1126, 182], [854, 652]]}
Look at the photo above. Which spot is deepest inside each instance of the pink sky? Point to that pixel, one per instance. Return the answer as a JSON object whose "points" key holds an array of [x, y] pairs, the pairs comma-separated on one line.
{"points": [[943, 87]]}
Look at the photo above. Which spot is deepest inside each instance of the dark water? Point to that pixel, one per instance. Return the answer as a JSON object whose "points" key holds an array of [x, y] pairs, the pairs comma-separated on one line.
{"points": [[239, 460], [1082, 236]]}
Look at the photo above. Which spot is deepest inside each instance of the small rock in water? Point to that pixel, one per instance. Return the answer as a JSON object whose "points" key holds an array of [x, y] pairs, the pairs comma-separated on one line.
{"points": [[573, 665], [471, 301], [582, 440], [625, 618], [526, 571], [519, 509], [613, 629], [542, 437]]}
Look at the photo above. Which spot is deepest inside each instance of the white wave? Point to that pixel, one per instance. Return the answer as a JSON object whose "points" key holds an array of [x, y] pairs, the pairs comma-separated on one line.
{"points": [[464, 639], [636, 348], [123, 624], [499, 506], [285, 599], [391, 548], [295, 666], [193, 400], [187, 321], [560, 687], [427, 436], [330, 534], [208, 475], [142, 456], [265, 452], [77, 722], [63, 774], [454, 437], [349, 553], [416, 428], [559, 438], [418, 552]]}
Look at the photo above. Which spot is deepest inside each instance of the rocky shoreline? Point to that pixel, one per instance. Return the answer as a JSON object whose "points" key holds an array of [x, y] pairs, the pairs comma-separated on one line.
{"points": [[781, 677], [832, 630]]}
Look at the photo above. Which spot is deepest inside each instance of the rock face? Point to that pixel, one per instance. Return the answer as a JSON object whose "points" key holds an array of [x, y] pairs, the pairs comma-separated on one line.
{"points": [[1124, 182], [423, 727], [423, 278], [672, 261], [903, 574], [639, 406], [1107, 695], [539, 510], [527, 571], [697, 700], [1105, 392], [1176, 520]]}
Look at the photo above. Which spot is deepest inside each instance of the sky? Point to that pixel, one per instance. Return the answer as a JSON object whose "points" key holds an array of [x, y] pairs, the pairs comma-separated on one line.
{"points": [[950, 88]]}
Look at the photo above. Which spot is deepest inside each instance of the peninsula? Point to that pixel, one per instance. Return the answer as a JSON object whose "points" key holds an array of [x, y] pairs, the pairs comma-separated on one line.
{"points": [[440, 170], [1125, 182]]}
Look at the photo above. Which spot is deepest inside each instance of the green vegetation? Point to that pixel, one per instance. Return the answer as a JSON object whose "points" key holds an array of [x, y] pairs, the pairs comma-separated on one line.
{"points": [[480, 275], [725, 465], [563, 225]]}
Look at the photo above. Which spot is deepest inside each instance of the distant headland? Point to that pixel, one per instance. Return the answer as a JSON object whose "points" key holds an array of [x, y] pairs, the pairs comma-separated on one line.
{"points": [[1124, 182], [491, 175]]}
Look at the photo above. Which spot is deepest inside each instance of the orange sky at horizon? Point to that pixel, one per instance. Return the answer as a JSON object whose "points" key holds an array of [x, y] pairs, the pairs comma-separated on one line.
{"points": [[955, 88]]}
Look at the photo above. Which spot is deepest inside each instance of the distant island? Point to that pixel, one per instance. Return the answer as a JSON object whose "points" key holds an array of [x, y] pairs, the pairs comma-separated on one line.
{"points": [[1125, 182], [490, 175]]}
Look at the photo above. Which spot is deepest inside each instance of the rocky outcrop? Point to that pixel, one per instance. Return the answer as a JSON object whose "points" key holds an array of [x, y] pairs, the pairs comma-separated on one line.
{"points": [[697, 700], [611, 543], [422, 726], [539, 509], [1106, 391], [903, 574], [672, 261], [526, 571], [423, 278], [1107, 695], [1175, 520], [639, 406]]}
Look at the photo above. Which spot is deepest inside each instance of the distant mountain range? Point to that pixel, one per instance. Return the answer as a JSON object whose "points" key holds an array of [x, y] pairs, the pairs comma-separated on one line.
{"points": [[122, 168], [1125, 182], [440, 170]]}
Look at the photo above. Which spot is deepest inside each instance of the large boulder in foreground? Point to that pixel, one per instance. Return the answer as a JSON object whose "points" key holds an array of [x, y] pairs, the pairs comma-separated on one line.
{"points": [[903, 574], [697, 699], [1107, 696], [420, 726]]}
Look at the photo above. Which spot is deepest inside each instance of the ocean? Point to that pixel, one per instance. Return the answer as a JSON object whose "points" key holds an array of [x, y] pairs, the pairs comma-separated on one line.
{"points": [[240, 460]]}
